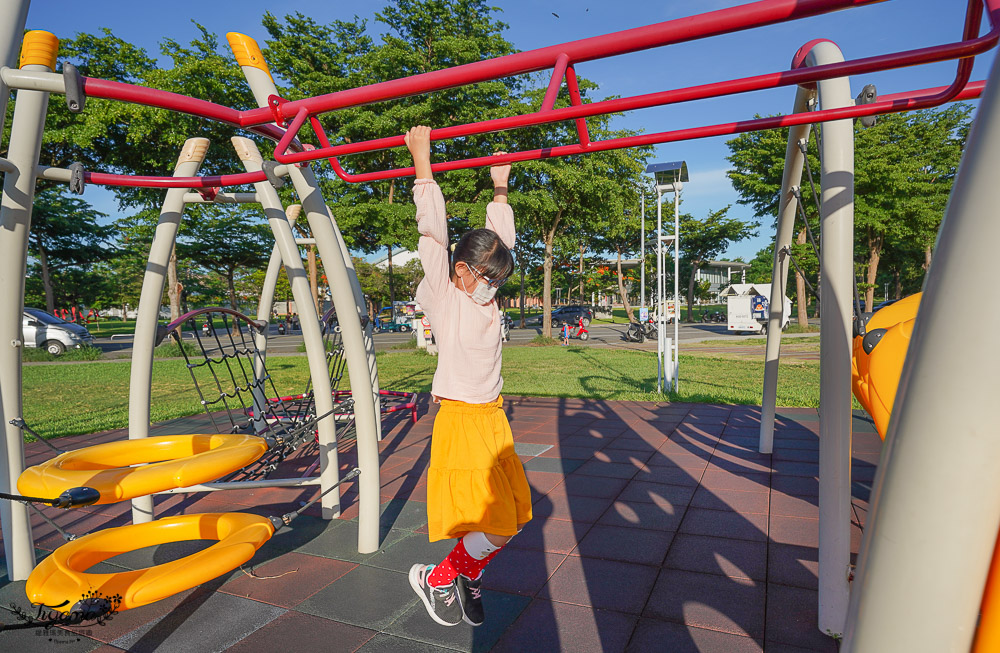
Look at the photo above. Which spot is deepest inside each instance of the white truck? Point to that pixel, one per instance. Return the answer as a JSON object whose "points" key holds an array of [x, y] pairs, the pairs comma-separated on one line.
{"points": [[749, 306]]}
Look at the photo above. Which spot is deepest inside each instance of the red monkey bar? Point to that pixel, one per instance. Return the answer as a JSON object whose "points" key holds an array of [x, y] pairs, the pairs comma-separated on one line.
{"points": [[561, 59]]}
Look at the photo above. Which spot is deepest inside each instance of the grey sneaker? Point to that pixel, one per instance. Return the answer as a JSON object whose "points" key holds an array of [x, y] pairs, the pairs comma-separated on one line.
{"points": [[441, 602], [470, 594]]}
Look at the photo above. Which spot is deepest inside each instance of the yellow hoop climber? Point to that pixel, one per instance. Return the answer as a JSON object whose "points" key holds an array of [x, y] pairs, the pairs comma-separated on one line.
{"points": [[60, 581], [172, 461]]}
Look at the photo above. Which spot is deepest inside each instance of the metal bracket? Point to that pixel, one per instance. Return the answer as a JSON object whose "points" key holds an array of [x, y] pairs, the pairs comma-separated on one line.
{"points": [[867, 96], [76, 179], [871, 338], [272, 175], [76, 99]]}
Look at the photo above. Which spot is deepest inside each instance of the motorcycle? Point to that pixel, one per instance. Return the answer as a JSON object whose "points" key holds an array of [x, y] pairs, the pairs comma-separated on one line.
{"points": [[579, 331], [640, 331]]}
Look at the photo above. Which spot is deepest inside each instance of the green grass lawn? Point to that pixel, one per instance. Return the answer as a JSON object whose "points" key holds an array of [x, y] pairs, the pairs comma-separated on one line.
{"points": [[87, 397], [104, 328]]}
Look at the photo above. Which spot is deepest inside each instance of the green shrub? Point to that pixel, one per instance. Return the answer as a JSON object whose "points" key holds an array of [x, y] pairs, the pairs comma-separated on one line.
{"points": [[170, 349]]}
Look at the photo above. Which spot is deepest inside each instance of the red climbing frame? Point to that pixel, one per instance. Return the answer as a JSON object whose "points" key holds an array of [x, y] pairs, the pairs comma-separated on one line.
{"points": [[561, 59]]}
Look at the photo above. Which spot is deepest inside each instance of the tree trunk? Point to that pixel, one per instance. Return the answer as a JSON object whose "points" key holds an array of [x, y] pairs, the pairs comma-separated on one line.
{"points": [[874, 255], [522, 296], [801, 298], [695, 266], [232, 289], [928, 253], [43, 260], [582, 250], [550, 237], [897, 285], [313, 280], [173, 289], [621, 290]]}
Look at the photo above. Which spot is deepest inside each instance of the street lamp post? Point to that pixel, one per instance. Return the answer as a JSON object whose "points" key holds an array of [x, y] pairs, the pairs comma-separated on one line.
{"points": [[669, 177]]}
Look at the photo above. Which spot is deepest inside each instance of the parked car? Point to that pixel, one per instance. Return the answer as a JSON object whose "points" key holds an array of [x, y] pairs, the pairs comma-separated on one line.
{"points": [[54, 334], [884, 304], [572, 314]]}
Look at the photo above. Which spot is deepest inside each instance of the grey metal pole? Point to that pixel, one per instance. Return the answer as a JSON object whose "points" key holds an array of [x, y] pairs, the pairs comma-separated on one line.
{"points": [[936, 498], [642, 253], [15, 225], [13, 17], [266, 303], [836, 336], [284, 239], [779, 272], [349, 318], [359, 354], [675, 353], [147, 315], [659, 289]]}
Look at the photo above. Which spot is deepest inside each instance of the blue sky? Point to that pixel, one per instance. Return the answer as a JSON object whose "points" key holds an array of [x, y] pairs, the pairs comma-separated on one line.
{"points": [[864, 31]]}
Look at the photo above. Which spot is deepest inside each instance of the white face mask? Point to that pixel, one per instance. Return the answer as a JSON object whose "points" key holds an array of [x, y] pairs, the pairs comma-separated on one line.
{"points": [[483, 294]]}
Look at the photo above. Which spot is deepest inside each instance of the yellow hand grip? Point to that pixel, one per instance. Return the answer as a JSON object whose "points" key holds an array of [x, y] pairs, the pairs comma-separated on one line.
{"points": [[39, 48], [247, 51]]}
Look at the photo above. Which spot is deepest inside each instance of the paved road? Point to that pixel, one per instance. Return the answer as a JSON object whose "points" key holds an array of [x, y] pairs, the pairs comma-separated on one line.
{"points": [[601, 335]]}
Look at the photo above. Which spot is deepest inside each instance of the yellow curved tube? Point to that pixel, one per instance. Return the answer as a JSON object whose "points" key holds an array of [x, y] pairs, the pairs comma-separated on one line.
{"points": [[39, 47], [61, 580], [172, 461]]}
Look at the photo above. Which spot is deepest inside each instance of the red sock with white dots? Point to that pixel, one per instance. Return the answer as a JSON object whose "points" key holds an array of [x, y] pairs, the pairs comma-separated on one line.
{"points": [[472, 553]]}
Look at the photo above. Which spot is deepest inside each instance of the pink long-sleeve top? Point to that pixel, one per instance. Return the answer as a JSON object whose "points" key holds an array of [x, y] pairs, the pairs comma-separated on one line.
{"points": [[468, 334]]}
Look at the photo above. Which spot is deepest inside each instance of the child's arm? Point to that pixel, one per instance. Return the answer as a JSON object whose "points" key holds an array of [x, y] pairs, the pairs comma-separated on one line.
{"points": [[499, 216], [432, 220]]}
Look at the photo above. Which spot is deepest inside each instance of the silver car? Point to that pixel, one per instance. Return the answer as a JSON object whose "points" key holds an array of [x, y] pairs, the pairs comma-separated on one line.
{"points": [[56, 335]]}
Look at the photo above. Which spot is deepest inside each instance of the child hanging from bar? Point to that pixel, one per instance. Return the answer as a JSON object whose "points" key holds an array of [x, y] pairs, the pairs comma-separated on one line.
{"points": [[476, 487]]}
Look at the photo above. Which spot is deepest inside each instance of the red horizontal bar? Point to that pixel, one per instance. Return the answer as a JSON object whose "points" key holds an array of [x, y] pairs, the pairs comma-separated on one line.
{"points": [[900, 102], [920, 56], [208, 181], [680, 30]]}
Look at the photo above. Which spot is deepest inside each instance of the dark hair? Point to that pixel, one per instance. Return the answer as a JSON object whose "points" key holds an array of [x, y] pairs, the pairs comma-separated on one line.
{"points": [[483, 250]]}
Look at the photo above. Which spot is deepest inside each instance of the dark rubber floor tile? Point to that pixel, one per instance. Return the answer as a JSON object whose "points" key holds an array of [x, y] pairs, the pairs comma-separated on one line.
{"points": [[33, 640], [555, 465], [593, 486], [717, 523], [554, 626], [743, 481], [501, 611], [521, 571], [730, 500], [366, 597], [287, 580], [596, 467], [794, 530], [558, 505], [709, 601], [205, 621], [656, 635], [718, 555], [789, 505], [636, 545], [792, 468], [796, 486], [552, 535], [676, 496], [308, 633], [606, 584], [383, 643], [642, 514], [568, 452], [791, 618], [793, 566], [629, 456], [401, 554]]}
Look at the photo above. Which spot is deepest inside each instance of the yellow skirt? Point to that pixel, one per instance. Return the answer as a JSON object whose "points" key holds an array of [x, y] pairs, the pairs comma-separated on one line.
{"points": [[475, 481]]}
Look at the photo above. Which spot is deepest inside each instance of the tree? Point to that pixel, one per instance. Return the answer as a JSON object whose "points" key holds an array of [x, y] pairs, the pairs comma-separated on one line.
{"points": [[758, 160], [65, 237], [228, 242], [704, 240]]}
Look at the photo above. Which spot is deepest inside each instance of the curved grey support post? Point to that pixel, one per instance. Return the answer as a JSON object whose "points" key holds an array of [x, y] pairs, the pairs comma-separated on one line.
{"points": [[147, 315], [15, 224], [349, 318], [837, 283], [369, 330], [284, 240], [360, 365], [936, 498], [779, 274], [266, 303]]}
